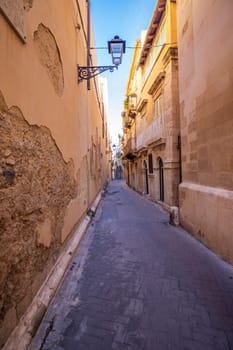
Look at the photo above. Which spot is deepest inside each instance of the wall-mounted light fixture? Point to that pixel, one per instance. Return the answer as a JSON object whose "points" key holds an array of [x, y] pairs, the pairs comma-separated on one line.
{"points": [[116, 47]]}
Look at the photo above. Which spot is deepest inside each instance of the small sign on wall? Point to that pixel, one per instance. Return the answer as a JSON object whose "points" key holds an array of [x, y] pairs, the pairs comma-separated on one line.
{"points": [[14, 12]]}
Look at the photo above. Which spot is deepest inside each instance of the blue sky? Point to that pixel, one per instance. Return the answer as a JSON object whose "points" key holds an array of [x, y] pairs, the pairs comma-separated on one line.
{"points": [[126, 19]]}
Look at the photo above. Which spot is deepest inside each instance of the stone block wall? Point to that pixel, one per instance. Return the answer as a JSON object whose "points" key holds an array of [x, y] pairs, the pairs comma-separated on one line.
{"points": [[206, 103]]}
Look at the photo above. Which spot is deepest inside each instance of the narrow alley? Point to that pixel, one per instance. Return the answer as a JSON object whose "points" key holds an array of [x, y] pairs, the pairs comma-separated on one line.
{"points": [[138, 283]]}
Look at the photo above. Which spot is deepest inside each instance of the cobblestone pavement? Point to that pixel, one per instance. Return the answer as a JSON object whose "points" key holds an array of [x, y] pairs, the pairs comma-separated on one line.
{"points": [[138, 283]]}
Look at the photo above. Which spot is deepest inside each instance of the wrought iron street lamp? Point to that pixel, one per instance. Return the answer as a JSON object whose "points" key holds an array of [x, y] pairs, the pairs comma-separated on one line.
{"points": [[116, 47]]}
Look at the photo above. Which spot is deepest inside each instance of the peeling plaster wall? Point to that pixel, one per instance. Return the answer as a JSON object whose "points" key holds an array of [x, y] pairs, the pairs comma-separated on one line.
{"points": [[28, 4], [53, 160], [36, 185], [49, 56]]}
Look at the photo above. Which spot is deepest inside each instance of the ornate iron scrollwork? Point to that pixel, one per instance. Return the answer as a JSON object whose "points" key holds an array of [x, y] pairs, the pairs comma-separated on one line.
{"points": [[85, 73]]}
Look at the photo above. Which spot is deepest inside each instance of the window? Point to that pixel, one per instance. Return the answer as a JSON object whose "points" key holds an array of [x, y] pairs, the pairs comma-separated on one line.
{"points": [[157, 47], [150, 163], [161, 179], [158, 107]]}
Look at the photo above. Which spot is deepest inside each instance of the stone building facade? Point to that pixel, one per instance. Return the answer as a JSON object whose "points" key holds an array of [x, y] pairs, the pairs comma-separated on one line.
{"points": [[151, 115], [117, 166], [54, 151], [206, 117]]}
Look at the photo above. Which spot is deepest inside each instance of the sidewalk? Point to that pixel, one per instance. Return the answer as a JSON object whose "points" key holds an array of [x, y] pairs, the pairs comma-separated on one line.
{"points": [[138, 283]]}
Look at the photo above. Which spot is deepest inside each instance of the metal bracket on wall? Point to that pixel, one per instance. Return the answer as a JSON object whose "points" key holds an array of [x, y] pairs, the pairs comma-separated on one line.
{"points": [[86, 73]]}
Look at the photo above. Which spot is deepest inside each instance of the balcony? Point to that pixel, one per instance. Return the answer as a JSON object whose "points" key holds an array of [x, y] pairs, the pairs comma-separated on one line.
{"points": [[153, 134], [129, 148], [132, 111], [127, 124]]}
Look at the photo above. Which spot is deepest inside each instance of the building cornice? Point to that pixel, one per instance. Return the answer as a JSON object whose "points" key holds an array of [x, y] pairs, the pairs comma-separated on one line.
{"points": [[158, 81], [171, 54], [142, 104], [154, 144], [152, 29]]}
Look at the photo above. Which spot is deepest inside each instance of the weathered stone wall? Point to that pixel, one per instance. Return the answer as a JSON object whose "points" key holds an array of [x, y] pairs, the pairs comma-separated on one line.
{"points": [[206, 100], [36, 185], [170, 156]]}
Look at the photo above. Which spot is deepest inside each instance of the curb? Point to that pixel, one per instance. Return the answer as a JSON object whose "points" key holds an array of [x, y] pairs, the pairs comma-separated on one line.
{"points": [[173, 211], [23, 333]]}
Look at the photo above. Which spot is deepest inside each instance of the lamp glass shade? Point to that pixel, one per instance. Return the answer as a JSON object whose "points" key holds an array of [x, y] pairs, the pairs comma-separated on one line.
{"points": [[116, 60], [116, 47]]}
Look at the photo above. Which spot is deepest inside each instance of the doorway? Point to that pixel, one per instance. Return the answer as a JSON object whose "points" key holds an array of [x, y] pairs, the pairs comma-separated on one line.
{"points": [[161, 180], [146, 185]]}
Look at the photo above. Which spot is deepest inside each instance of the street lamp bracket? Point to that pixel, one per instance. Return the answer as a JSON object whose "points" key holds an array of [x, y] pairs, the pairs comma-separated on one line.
{"points": [[86, 73], [116, 47]]}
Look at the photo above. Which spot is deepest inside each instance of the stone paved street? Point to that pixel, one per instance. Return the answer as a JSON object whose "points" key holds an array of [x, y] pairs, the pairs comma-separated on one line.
{"points": [[138, 283]]}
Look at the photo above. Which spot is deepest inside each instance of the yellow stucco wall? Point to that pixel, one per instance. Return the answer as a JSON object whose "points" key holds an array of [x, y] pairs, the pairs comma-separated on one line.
{"points": [[51, 135]]}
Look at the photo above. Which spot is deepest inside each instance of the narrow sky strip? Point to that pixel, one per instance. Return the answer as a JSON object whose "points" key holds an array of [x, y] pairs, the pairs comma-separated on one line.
{"points": [[126, 19]]}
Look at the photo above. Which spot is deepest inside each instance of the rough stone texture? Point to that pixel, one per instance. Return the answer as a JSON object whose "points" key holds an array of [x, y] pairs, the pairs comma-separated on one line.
{"points": [[27, 4], [95, 158], [14, 12], [36, 185], [49, 56]]}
